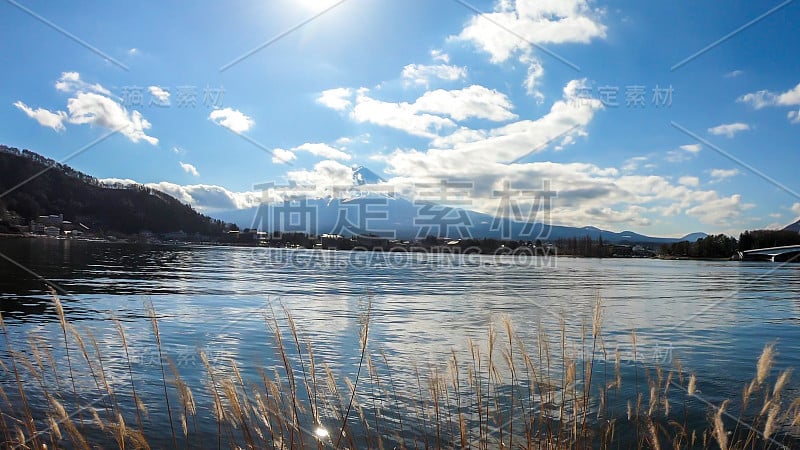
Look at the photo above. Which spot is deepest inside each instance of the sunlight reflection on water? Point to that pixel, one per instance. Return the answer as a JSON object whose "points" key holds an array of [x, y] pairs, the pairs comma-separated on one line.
{"points": [[715, 316]]}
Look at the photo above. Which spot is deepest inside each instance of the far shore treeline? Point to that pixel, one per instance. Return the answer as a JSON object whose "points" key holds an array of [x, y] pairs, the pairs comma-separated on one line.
{"points": [[714, 246], [721, 246]]}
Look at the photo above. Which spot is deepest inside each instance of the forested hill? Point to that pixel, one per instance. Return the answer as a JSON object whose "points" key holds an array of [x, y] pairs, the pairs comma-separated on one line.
{"points": [[55, 188]]}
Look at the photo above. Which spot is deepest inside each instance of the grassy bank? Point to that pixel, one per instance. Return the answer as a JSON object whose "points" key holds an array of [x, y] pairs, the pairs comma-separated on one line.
{"points": [[502, 393]]}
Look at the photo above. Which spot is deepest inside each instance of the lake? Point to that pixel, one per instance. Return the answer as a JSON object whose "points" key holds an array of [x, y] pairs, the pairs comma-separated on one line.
{"points": [[714, 316]]}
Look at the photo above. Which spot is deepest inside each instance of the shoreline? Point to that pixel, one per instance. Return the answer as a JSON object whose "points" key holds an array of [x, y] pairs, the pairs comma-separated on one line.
{"points": [[410, 250]]}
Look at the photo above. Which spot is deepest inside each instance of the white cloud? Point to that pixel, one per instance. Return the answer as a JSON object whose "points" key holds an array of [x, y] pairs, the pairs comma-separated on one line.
{"points": [[692, 148], [402, 116], [427, 116], [734, 73], [628, 215], [160, 94], [533, 79], [719, 210], [721, 174], [510, 142], [46, 118], [282, 156], [421, 74], [231, 119], [71, 82], [95, 109], [486, 158], [190, 169], [675, 156], [119, 181], [459, 137], [506, 143], [796, 208], [133, 51], [438, 55], [323, 150], [473, 102], [347, 140], [728, 129], [202, 197], [790, 97], [764, 98], [758, 99], [586, 193], [91, 104], [683, 153], [337, 99], [207, 198], [325, 175], [632, 164], [518, 26]]}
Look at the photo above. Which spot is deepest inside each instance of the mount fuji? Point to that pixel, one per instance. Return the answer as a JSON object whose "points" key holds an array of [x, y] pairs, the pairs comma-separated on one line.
{"points": [[363, 176], [393, 216]]}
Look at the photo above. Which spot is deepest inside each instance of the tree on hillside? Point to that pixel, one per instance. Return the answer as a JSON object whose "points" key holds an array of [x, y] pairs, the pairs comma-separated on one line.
{"points": [[716, 246], [767, 238], [43, 186]]}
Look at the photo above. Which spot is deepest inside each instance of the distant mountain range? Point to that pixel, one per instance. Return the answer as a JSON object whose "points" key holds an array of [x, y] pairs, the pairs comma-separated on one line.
{"points": [[346, 217], [58, 189]]}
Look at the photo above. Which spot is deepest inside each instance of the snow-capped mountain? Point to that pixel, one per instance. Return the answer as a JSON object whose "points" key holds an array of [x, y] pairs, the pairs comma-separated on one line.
{"points": [[363, 176], [394, 216]]}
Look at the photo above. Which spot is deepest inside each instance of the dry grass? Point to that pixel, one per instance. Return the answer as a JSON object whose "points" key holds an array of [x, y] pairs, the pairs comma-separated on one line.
{"points": [[503, 393]]}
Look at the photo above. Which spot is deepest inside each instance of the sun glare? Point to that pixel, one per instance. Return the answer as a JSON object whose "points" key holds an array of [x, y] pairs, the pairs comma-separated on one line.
{"points": [[317, 6]]}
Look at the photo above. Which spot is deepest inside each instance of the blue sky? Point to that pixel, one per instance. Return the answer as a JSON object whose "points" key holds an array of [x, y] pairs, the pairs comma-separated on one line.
{"points": [[422, 91]]}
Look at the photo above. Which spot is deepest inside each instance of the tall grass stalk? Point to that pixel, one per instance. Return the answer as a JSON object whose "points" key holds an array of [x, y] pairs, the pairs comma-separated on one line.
{"points": [[151, 311], [63, 322], [500, 392], [364, 336]]}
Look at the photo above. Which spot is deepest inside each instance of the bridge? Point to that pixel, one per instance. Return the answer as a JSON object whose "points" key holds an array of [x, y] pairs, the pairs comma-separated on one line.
{"points": [[774, 254]]}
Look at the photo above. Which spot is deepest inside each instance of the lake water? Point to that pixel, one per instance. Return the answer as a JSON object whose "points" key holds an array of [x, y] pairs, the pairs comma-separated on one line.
{"points": [[715, 316]]}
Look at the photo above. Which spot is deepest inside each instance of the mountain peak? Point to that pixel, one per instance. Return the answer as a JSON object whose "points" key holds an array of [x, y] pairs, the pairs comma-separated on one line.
{"points": [[793, 227], [694, 237], [362, 176]]}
